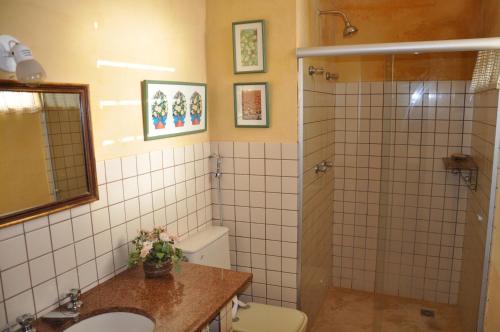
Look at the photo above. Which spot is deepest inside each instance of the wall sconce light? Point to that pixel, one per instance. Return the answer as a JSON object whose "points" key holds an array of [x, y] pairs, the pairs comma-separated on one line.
{"points": [[16, 57]]}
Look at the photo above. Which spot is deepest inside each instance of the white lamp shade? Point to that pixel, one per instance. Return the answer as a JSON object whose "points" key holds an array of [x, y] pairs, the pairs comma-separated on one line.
{"points": [[28, 69]]}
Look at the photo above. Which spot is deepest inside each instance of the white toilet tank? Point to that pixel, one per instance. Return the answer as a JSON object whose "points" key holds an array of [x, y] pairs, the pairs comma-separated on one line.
{"points": [[208, 247]]}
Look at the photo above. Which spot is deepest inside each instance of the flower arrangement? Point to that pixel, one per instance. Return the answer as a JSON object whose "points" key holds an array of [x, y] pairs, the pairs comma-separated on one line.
{"points": [[157, 250], [159, 110], [195, 108], [179, 109]]}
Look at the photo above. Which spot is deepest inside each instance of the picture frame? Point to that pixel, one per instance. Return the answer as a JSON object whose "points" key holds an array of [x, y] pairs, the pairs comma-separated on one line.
{"points": [[172, 108], [249, 47], [251, 105]]}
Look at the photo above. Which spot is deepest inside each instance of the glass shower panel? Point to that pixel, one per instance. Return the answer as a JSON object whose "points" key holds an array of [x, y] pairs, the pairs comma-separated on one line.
{"points": [[317, 190], [421, 204], [428, 233], [398, 225]]}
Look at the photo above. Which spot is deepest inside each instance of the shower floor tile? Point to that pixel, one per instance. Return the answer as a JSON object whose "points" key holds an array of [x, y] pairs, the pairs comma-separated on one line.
{"points": [[351, 311]]}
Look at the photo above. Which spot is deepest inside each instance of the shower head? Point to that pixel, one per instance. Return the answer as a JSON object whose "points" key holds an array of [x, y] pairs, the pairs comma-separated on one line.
{"points": [[349, 29]]}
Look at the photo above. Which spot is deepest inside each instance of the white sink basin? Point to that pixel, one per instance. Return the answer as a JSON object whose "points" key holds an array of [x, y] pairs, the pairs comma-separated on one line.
{"points": [[114, 322]]}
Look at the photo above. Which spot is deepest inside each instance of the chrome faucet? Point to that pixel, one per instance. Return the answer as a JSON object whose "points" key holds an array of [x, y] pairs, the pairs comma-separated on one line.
{"points": [[25, 321], [74, 300], [23, 324]]}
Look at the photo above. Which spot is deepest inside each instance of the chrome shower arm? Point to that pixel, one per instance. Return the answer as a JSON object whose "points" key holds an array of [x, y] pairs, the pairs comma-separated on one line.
{"points": [[335, 12]]}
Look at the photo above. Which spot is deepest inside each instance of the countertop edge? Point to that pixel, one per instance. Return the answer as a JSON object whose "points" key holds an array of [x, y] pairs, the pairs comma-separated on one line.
{"points": [[217, 311]]}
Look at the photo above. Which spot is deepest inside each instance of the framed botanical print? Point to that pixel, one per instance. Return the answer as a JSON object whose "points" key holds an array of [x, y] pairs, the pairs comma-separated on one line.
{"points": [[173, 108], [251, 106], [249, 54]]}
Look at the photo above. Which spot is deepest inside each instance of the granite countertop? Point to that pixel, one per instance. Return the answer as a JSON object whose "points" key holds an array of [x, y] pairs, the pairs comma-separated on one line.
{"points": [[186, 301]]}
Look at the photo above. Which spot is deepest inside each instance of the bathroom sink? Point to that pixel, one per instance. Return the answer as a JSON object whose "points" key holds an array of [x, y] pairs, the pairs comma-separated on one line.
{"points": [[114, 322]]}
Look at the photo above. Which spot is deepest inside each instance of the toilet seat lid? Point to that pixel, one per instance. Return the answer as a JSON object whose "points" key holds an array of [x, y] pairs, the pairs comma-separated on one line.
{"points": [[267, 318]]}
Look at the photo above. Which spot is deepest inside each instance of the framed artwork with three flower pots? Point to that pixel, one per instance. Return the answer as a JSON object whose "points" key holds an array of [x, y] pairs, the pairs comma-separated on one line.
{"points": [[173, 108]]}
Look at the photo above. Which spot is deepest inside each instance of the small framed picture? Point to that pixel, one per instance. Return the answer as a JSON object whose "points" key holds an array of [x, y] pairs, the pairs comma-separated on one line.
{"points": [[173, 108], [249, 47], [251, 106]]}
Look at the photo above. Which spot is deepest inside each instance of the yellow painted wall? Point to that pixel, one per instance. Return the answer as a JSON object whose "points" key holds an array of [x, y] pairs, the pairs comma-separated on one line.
{"points": [[23, 175], [381, 21], [69, 36], [280, 17], [491, 28]]}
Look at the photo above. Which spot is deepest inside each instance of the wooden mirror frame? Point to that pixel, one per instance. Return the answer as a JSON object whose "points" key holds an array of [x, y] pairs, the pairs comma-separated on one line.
{"points": [[88, 150]]}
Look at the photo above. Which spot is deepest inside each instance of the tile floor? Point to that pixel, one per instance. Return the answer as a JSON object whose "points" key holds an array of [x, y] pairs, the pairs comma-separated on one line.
{"points": [[352, 311]]}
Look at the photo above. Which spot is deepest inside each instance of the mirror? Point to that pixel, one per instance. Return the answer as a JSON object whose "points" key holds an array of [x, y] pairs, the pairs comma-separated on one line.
{"points": [[46, 154]]}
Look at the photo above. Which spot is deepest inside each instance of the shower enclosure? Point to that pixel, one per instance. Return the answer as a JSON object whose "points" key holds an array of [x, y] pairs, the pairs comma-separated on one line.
{"points": [[388, 206]]}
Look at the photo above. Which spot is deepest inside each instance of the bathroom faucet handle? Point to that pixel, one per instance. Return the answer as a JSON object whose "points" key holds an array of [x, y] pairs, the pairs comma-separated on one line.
{"points": [[74, 296], [25, 321]]}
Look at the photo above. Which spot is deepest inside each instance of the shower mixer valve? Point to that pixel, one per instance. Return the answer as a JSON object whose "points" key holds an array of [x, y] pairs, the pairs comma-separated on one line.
{"points": [[323, 166]]}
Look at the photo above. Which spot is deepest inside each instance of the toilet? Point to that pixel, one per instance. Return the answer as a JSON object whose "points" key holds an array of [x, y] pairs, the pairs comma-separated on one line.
{"points": [[211, 247]]}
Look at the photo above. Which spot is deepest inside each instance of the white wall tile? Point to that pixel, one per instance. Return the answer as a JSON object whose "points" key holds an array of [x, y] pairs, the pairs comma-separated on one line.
{"points": [[119, 236], [289, 150], [116, 214], [105, 265], [256, 150], [130, 188], [113, 170], [273, 151], [129, 166], [59, 216], [19, 305], [87, 273], [64, 259], [115, 192], [144, 183], [156, 160], [15, 280], [146, 204], [100, 220], [188, 153], [179, 157], [241, 150], [66, 282], [17, 252], [101, 172], [35, 224], [45, 294], [38, 242], [84, 250], [168, 157], [42, 269], [62, 234], [102, 242], [132, 209], [143, 163]]}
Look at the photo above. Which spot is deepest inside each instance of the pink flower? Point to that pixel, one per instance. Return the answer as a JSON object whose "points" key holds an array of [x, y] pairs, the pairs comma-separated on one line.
{"points": [[164, 236], [146, 249]]}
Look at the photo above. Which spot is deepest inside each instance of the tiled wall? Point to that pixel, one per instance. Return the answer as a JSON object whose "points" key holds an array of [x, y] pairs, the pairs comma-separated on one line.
{"points": [[67, 167], [42, 259], [316, 241], [482, 148], [398, 215], [259, 206]]}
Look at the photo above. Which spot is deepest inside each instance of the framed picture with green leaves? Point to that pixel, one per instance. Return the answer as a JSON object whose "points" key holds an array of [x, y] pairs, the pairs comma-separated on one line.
{"points": [[249, 54], [251, 105], [173, 108]]}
